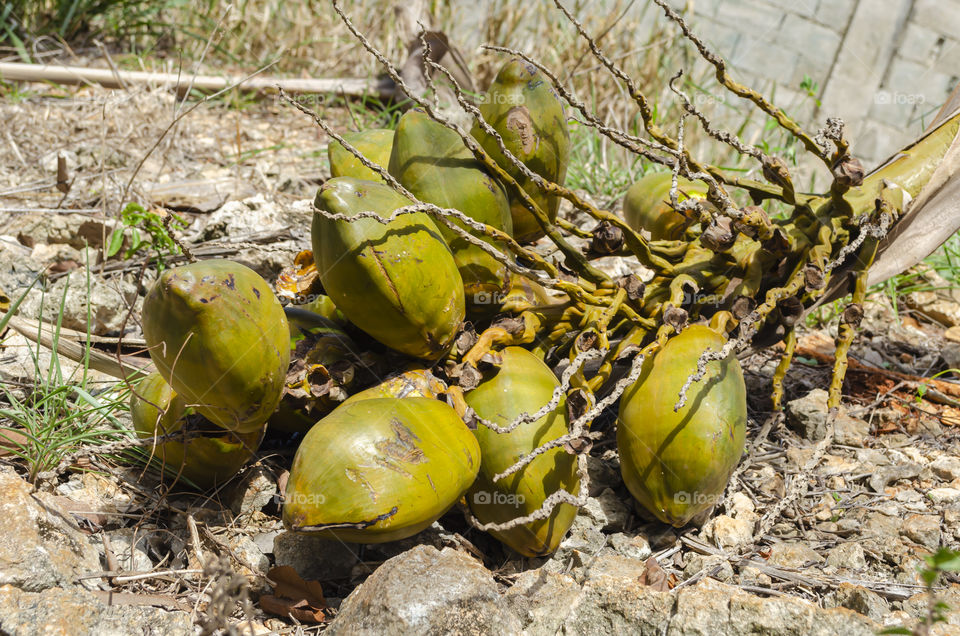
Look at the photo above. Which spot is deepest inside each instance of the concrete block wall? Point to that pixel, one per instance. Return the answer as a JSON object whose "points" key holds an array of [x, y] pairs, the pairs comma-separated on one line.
{"points": [[884, 66]]}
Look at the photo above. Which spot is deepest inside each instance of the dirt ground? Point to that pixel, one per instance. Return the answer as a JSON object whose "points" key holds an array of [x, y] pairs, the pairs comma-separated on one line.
{"points": [[861, 507]]}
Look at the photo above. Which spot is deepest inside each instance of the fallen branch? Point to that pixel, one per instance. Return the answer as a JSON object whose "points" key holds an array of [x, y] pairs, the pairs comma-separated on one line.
{"points": [[351, 87]]}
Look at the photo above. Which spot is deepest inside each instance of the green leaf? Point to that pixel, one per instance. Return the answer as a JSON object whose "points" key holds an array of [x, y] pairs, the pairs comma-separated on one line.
{"points": [[115, 242], [897, 630]]}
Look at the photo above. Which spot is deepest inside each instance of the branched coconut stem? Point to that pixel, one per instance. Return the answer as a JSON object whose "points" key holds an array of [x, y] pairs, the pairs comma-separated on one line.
{"points": [[790, 345], [558, 394], [578, 426], [633, 239], [574, 257], [720, 135], [555, 499], [742, 91]]}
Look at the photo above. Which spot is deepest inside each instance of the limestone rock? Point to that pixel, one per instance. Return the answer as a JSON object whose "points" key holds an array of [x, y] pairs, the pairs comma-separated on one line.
{"points": [[73, 612], [793, 555], [922, 529], [847, 555], [426, 590], [40, 545], [315, 558]]}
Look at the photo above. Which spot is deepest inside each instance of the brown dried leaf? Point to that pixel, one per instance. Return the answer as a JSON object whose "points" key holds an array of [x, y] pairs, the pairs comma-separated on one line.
{"points": [[11, 439], [294, 596], [655, 577], [299, 280]]}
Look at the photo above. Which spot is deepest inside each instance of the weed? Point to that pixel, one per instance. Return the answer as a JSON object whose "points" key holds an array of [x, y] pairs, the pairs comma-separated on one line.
{"points": [[144, 229], [59, 412], [944, 560]]}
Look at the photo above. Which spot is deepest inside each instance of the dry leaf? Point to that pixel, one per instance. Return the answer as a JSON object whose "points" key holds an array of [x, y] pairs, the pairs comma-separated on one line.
{"points": [[655, 577], [301, 280], [293, 596], [11, 439]]}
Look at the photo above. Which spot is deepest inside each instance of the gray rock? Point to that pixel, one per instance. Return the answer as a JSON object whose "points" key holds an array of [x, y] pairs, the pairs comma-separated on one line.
{"points": [[253, 491], [793, 555], [40, 545], [581, 544], [808, 415], [426, 590], [607, 510], [860, 600], [633, 546], [17, 269], [81, 613], [107, 302], [941, 496], [712, 566], [750, 575], [129, 546], [727, 532], [847, 555], [922, 529], [315, 558], [541, 600], [850, 431], [721, 610], [612, 603], [615, 565], [946, 467], [250, 554]]}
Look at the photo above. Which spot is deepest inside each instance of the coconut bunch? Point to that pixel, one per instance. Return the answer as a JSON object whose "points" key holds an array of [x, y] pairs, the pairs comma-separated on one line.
{"points": [[433, 357]]}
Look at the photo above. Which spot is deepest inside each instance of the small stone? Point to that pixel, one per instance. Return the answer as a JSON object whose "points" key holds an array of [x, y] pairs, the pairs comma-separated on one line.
{"points": [[713, 566], [253, 492], [635, 547], [750, 575], [860, 600], [727, 532], [315, 558], [946, 467], [847, 555], [425, 590], [250, 555], [130, 548], [541, 600], [793, 555], [808, 415], [850, 431], [607, 510], [922, 529], [942, 496], [582, 543], [951, 520], [105, 305], [617, 566], [742, 506]]}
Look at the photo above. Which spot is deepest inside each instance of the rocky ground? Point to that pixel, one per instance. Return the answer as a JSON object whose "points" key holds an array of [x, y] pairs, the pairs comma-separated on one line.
{"points": [[823, 529]]}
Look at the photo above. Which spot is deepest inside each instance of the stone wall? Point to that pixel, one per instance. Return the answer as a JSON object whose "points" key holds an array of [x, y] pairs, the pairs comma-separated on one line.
{"points": [[884, 66]]}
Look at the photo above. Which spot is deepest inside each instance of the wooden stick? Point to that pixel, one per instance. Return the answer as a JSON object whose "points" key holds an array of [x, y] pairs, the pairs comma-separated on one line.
{"points": [[352, 87]]}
